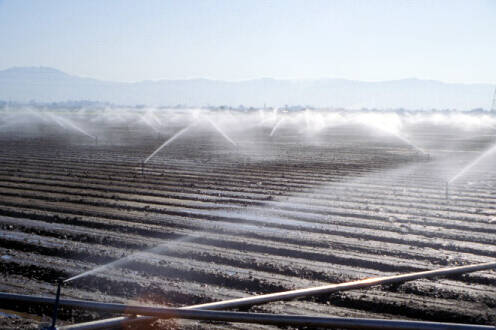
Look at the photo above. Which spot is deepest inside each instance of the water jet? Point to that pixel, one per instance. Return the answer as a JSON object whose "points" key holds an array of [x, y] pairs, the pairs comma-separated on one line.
{"points": [[274, 129], [221, 131], [175, 136], [126, 259], [64, 123], [473, 164]]}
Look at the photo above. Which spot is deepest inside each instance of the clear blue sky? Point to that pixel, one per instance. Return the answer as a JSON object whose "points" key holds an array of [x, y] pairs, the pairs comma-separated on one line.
{"points": [[448, 40]]}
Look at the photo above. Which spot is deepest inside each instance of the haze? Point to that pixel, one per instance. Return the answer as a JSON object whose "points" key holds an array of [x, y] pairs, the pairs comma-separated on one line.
{"points": [[451, 41]]}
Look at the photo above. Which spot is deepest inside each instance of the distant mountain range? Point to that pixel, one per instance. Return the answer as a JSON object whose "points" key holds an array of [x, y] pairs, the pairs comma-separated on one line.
{"points": [[41, 84]]}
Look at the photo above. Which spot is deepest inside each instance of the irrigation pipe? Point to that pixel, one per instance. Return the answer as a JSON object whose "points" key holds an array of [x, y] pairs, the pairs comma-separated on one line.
{"points": [[114, 323], [359, 284], [256, 318]]}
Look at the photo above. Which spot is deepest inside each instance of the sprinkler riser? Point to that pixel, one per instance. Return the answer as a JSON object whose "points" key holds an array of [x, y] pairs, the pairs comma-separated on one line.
{"points": [[56, 305]]}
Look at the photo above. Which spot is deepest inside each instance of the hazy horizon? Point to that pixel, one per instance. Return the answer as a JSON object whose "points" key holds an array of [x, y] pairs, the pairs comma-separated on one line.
{"points": [[51, 85], [241, 80]]}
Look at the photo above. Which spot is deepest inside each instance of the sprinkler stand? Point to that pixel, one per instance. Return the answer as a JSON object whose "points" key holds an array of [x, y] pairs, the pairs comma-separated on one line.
{"points": [[56, 305], [142, 168], [447, 190]]}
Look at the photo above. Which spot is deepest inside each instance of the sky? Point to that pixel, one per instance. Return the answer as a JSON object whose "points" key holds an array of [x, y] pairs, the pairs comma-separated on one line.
{"points": [[447, 40]]}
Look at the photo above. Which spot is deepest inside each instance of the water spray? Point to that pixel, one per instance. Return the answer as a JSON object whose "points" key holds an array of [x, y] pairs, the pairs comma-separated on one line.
{"points": [[274, 129], [148, 123], [410, 143], [476, 161], [64, 123], [221, 132], [175, 136], [307, 119], [124, 260]]}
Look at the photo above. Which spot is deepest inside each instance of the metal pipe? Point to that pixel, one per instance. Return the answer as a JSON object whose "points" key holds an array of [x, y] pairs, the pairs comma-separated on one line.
{"points": [[360, 284], [256, 318], [56, 305], [114, 323]]}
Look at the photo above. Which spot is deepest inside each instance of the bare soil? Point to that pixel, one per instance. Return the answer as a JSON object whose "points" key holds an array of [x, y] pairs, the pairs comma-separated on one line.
{"points": [[272, 214]]}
